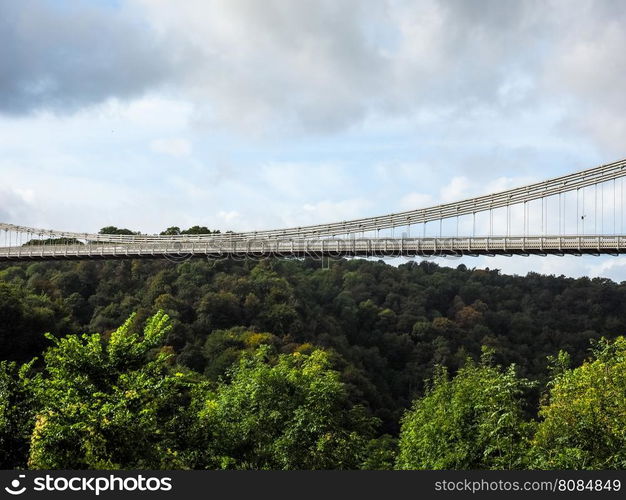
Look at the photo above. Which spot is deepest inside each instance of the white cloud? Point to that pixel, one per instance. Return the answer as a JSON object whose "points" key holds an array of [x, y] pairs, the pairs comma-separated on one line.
{"points": [[27, 195], [322, 65], [325, 65], [413, 201], [64, 57], [459, 188], [328, 211], [228, 216], [174, 147], [15, 203], [613, 267], [504, 183], [303, 180], [588, 71], [456, 190]]}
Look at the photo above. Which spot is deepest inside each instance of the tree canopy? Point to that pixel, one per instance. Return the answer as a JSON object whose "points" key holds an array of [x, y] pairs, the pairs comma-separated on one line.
{"points": [[293, 413], [473, 421], [583, 418], [107, 403], [396, 353]]}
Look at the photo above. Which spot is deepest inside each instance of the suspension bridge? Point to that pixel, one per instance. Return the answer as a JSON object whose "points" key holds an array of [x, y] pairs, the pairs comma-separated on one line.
{"points": [[579, 213]]}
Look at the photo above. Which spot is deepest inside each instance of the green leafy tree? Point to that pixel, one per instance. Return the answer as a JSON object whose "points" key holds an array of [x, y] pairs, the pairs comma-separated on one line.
{"points": [[117, 230], [386, 326], [16, 416], [53, 241], [289, 412], [109, 403], [584, 415], [198, 230], [171, 231], [381, 453], [24, 317], [472, 421]]}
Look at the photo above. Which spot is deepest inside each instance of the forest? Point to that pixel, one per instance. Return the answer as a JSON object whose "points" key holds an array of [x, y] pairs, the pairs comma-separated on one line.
{"points": [[289, 364]]}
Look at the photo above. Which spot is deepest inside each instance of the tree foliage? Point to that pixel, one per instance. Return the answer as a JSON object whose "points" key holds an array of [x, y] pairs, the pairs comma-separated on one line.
{"points": [[16, 415], [382, 331], [116, 230], [107, 403], [290, 413], [584, 416], [472, 421]]}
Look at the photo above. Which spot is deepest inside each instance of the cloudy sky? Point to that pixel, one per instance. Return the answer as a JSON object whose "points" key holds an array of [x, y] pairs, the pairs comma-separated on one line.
{"points": [[248, 114]]}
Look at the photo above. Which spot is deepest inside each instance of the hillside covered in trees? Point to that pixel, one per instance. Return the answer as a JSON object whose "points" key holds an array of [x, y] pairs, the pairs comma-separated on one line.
{"points": [[283, 364]]}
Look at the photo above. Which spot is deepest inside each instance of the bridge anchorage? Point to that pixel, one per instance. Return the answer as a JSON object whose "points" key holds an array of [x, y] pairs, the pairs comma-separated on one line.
{"points": [[579, 213]]}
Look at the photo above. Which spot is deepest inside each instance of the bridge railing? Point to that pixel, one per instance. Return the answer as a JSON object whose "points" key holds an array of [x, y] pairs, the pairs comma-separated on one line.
{"points": [[368, 247]]}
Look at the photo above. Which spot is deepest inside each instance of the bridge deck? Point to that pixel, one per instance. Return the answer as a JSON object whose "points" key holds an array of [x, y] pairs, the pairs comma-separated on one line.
{"points": [[329, 247]]}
